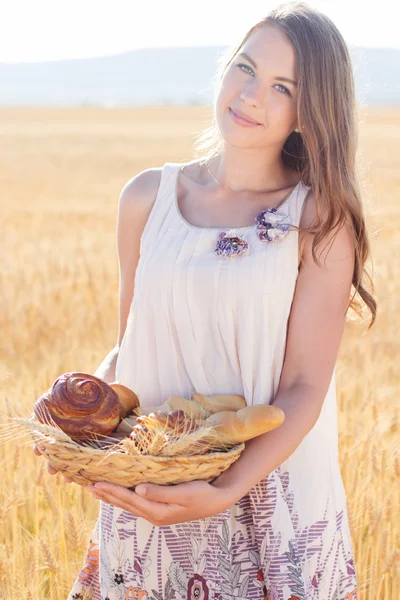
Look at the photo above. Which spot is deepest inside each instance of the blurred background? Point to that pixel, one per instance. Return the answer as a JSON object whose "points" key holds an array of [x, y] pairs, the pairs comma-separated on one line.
{"points": [[91, 93]]}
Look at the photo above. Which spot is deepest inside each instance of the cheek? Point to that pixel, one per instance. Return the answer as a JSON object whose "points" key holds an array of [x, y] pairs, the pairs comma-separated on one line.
{"points": [[280, 111], [228, 89], [221, 109]]}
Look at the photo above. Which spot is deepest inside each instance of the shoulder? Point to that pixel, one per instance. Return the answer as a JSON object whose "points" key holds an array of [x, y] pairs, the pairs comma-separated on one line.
{"points": [[337, 243], [137, 198], [141, 190]]}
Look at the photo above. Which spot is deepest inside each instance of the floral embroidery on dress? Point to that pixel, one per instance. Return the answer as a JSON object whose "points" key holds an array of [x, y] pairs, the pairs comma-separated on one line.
{"points": [[272, 225], [230, 244]]}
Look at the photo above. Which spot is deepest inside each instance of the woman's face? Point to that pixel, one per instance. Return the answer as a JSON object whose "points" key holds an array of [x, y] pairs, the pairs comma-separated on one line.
{"points": [[259, 92]]}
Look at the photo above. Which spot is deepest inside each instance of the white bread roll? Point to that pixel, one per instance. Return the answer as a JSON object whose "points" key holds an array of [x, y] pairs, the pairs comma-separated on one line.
{"points": [[127, 398], [246, 423]]}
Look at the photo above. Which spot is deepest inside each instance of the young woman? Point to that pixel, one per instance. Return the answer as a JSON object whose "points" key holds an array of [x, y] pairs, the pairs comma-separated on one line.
{"points": [[242, 264]]}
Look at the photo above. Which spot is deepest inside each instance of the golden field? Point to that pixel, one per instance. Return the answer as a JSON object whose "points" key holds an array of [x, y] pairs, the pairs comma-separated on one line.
{"points": [[61, 174]]}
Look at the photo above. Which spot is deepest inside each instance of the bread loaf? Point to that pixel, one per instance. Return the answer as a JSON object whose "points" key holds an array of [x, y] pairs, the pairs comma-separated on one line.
{"points": [[220, 402], [246, 423], [128, 400], [191, 408], [199, 406], [83, 405]]}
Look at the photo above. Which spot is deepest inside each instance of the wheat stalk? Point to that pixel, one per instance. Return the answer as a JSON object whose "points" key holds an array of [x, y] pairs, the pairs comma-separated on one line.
{"points": [[383, 460], [72, 531], [388, 564], [16, 458], [375, 460], [388, 510], [384, 540], [160, 439], [50, 498], [375, 521], [43, 428], [4, 570], [394, 425], [130, 447], [39, 478], [375, 412], [30, 558], [396, 466], [49, 560], [201, 441], [9, 504]]}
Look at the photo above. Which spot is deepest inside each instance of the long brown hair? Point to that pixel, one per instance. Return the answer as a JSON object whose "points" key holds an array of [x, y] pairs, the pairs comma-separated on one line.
{"points": [[324, 150]]}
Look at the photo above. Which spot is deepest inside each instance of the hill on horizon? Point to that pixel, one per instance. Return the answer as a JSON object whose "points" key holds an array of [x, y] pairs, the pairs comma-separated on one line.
{"points": [[152, 76]]}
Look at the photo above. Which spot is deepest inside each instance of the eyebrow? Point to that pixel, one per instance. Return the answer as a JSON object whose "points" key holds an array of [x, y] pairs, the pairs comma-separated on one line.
{"points": [[251, 61]]}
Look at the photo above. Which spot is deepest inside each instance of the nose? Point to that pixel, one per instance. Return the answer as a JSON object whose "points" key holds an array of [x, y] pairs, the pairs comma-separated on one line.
{"points": [[252, 95]]}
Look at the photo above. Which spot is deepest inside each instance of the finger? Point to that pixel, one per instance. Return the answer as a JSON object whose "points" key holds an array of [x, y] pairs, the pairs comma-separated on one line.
{"points": [[36, 451], [180, 495], [51, 469], [121, 503], [127, 499]]}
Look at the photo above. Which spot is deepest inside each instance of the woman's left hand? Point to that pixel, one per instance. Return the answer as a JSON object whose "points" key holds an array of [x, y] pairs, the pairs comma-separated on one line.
{"points": [[166, 505]]}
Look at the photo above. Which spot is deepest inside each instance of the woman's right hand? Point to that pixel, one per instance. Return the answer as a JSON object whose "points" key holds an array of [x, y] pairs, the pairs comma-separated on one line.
{"points": [[50, 469]]}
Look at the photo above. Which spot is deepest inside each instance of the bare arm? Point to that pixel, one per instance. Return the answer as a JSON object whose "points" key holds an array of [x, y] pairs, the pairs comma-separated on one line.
{"points": [[135, 203], [315, 330], [106, 369]]}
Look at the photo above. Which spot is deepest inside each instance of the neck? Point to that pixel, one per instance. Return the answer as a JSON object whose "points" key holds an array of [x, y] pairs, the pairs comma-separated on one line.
{"points": [[248, 172]]}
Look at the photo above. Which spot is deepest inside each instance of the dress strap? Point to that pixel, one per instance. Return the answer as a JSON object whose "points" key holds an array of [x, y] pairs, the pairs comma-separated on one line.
{"points": [[296, 204], [160, 214]]}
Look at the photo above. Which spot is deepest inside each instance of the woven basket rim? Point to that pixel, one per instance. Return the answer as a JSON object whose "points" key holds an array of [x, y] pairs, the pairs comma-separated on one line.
{"points": [[193, 458]]}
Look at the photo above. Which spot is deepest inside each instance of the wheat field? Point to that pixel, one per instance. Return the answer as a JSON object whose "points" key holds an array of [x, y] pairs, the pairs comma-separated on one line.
{"points": [[61, 174]]}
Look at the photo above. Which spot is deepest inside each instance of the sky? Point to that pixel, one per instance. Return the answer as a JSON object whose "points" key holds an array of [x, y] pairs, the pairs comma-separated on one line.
{"points": [[46, 30]]}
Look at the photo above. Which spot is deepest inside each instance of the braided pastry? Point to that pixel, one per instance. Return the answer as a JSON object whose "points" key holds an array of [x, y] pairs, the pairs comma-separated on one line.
{"points": [[154, 432], [142, 437], [177, 421]]}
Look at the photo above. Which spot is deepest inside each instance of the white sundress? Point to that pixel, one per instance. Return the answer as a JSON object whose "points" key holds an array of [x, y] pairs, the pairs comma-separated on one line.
{"points": [[201, 323]]}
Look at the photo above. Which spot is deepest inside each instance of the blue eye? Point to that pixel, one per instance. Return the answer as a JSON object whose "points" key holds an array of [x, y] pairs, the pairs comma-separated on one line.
{"points": [[281, 86], [247, 66], [286, 90]]}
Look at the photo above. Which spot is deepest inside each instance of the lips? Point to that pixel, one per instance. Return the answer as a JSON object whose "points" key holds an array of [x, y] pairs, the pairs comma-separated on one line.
{"points": [[243, 119]]}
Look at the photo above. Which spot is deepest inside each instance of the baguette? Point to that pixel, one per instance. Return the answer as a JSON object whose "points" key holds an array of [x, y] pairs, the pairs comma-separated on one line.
{"points": [[220, 402], [192, 409], [246, 423]]}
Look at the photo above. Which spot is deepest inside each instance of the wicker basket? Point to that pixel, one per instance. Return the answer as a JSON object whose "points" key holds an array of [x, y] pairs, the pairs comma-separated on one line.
{"points": [[85, 464]]}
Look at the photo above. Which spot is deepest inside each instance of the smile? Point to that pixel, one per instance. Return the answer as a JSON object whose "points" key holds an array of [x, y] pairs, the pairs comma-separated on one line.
{"points": [[241, 121]]}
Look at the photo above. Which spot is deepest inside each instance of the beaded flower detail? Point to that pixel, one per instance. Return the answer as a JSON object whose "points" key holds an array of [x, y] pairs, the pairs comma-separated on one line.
{"points": [[230, 244], [272, 225]]}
